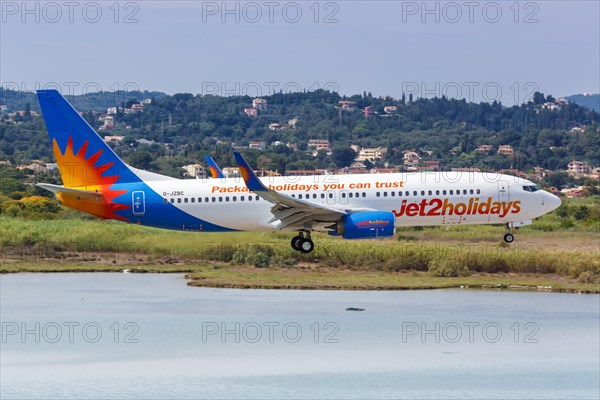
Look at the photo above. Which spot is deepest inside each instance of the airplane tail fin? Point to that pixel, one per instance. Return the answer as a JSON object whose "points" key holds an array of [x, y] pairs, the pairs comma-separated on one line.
{"points": [[84, 159], [215, 171]]}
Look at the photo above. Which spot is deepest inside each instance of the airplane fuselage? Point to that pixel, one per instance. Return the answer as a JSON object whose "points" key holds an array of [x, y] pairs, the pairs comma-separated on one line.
{"points": [[416, 199]]}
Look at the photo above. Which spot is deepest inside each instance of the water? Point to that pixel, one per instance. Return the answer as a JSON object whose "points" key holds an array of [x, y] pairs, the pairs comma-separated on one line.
{"points": [[89, 336]]}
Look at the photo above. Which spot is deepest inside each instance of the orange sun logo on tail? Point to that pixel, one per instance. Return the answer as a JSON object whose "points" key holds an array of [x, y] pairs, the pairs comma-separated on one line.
{"points": [[80, 173]]}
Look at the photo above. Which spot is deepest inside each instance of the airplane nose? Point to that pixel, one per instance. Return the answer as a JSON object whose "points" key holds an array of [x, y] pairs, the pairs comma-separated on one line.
{"points": [[552, 201]]}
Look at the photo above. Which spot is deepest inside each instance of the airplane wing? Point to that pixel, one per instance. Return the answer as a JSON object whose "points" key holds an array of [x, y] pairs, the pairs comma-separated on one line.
{"points": [[78, 193], [292, 213], [215, 171]]}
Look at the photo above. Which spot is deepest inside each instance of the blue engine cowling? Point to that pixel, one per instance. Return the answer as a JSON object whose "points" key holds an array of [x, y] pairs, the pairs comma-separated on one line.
{"points": [[366, 225]]}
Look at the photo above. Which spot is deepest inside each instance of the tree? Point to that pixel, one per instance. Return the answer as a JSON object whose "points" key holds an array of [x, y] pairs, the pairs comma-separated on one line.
{"points": [[538, 98], [129, 141], [559, 180], [361, 129], [263, 162], [343, 156], [141, 159]]}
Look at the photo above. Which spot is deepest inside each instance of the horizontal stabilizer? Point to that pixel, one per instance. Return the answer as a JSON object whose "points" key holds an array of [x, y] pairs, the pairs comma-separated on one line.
{"points": [[78, 192]]}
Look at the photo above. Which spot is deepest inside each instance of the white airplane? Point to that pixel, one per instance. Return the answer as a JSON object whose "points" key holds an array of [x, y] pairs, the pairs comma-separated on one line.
{"points": [[97, 181]]}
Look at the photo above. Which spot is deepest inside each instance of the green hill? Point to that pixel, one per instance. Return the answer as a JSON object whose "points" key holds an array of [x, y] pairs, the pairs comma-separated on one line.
{"points": [[591, 101], [185, 127]]}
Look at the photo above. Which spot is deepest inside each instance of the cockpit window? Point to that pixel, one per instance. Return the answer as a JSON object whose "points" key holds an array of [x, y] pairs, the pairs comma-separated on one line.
{"points": [[531, 188]]}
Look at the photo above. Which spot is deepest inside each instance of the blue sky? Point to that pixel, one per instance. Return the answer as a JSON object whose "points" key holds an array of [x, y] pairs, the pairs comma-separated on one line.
{"points": [[478, 50]]}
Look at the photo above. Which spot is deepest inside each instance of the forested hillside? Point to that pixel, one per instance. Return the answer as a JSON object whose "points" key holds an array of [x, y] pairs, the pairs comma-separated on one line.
{"points": [[544, 132]]}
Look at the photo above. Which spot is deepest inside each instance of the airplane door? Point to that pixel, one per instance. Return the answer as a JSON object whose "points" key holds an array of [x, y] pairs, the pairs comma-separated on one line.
{"points": [[344, 197], [503, 191], [138, 203], [331, 198]]}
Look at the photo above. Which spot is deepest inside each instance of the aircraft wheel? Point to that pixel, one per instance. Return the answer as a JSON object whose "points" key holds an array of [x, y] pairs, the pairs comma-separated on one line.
{"points": [[306, 246], [296, 242], [509, 238]]}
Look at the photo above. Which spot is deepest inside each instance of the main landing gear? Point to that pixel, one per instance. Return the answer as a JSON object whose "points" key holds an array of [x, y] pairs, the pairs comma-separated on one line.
{"points": [[508, 237], [302, 242]]}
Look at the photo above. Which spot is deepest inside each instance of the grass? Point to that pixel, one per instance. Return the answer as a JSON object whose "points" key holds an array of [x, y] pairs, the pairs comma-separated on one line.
{"points": [[565, 258], [311, 278], [319, 278]]}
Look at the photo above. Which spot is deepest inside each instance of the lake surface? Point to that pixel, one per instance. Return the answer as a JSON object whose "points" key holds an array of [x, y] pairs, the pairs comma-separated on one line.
{"points": [[90, 336]]}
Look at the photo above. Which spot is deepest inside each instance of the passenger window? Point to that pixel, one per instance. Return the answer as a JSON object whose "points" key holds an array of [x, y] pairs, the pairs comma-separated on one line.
{"points": [[172, 200], [300, 196], [415, 193], [350, 195], [422, 193], [430, 193], [199, 199], [451, 192], [322, 195], [193, 199], [400, 193], [257, 198], [407, 193], [471, 191], [464, 191], [242, 198], [444, 192], [393, 194], [179, 200], [478, 191], [165, 201], [185, 200], [234, 198], [220, 199], [378, 194], [227, 198], [384, 194], [314, 195], [206, 199], [331, 195], [343, 195], [214, 199], [364, 194], [437, 192], [249, 198]]}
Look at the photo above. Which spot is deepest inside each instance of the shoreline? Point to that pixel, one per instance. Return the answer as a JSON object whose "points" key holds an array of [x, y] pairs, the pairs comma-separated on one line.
{"points": [[316, 277], [563, 260]]}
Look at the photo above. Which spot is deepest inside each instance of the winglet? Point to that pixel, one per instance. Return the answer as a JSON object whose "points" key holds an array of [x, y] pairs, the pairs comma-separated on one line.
{"points": [[214, 169], [250, 178]]}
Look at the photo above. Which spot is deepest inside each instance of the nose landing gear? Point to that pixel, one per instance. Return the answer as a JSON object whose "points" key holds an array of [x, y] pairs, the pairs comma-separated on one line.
{"points": [[302, 242], [508, 237]]}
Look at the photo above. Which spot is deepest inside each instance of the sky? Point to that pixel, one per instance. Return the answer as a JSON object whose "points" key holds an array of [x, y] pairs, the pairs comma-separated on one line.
{"points": [[478, 50]]}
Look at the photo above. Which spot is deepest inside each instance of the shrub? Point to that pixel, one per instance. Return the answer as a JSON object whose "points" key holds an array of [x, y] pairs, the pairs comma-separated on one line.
{"points": [[448, 268], [33, 207], [257, 255], [283, 262], [587, 277]]}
